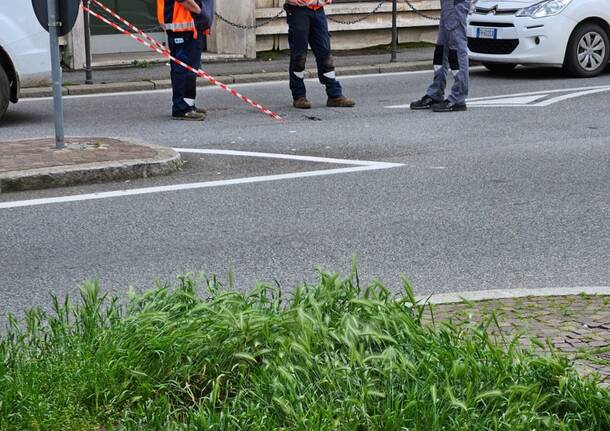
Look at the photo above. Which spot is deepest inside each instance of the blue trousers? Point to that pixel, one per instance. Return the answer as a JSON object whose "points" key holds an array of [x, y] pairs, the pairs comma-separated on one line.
{"points": [[451, 53], [310, 27], [186, 48]]}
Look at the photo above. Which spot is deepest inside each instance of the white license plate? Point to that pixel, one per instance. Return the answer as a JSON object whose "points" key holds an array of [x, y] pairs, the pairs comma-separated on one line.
{"points": [[487, 33]]}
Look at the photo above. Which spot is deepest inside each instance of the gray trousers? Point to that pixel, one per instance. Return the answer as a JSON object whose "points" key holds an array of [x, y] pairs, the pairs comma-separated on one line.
{"points": [[451, 52]]}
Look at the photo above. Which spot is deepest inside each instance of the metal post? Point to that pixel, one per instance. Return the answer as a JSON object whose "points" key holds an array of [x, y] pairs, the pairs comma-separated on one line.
{"points": [[58, 105], [88, 71], [394, 30]]}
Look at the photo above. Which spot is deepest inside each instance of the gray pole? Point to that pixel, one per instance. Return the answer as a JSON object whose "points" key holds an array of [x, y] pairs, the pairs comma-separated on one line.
{"points": [[394, 31], [58, 105], [88, 71]]}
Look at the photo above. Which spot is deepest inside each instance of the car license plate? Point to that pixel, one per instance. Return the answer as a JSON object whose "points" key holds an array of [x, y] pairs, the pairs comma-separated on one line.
{"points": [[487, 33]]}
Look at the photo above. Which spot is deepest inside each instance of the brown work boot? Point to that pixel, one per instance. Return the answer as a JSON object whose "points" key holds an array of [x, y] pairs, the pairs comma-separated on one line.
{"points": [[340, 102], [301, 103]]}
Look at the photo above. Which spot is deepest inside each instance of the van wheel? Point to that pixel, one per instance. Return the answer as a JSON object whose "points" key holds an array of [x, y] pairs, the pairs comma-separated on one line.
{"points": [[5, 92], [588, 51], [500, 67]]}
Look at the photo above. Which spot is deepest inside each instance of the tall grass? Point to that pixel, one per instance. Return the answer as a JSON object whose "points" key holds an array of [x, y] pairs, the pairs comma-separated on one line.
{"points": [[333, 357]]}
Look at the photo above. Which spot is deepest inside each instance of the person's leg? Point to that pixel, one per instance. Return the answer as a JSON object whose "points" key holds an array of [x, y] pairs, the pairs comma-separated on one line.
{"points": [[458, 56], [436, 91], [193, 54], [298, 34], [195, 61], [319, 40], [179, 45]]}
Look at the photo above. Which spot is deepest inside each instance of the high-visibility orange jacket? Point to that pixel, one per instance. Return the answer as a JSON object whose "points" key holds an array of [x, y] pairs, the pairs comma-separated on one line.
{"points": [[313, 4], [174, 17]]}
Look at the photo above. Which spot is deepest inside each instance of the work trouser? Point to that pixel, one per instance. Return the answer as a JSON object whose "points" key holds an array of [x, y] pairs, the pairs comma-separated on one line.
{"points": [[186, 48], [310, 27], [451, 52]]}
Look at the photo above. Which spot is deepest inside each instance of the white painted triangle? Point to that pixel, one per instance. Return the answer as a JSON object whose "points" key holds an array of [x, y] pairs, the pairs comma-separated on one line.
{"points": [[521, 100]]}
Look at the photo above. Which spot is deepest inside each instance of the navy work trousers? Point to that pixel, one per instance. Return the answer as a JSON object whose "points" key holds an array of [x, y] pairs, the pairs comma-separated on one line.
{"points": [[186, 48], [310, 27]]}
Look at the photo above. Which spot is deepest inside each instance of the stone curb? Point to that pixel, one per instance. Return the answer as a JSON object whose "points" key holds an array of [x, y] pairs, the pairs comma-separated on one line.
{"points": [[112, 87], [166, 161], [486, 295]]}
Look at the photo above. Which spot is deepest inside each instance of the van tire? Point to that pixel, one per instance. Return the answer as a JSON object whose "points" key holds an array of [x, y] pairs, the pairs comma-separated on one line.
{"points": [[5, 92]]}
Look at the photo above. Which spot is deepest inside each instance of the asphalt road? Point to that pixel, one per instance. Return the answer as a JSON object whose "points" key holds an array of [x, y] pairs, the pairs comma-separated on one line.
{"points": [[497, 197]]}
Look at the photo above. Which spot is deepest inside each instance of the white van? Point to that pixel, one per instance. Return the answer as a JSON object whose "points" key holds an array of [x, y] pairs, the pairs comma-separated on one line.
{"points": [[24, 51]]}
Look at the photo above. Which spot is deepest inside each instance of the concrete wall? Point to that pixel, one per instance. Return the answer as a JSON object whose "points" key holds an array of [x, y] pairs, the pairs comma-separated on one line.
{"points": [[374, 30]]}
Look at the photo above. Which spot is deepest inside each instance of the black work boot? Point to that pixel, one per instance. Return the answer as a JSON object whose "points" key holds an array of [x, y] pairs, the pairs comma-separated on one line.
{"points": [[448, 106], [200, 110], [340, 102], [189, 116], [301, 103], [425, 102]]}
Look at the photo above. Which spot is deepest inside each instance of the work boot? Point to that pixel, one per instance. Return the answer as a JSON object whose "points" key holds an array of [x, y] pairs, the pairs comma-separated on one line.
{"points": [[448, 106], [301, 103], [189, 116], [340, 102], [200, 110], [425, 102]]}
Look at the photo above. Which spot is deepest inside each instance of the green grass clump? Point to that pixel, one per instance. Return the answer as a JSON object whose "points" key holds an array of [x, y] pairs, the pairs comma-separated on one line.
{"points": [[333, 357]]}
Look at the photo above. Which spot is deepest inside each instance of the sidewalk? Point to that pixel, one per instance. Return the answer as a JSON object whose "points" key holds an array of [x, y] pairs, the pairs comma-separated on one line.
{"points": [[576, 325], [36, 164], [146, 75]]}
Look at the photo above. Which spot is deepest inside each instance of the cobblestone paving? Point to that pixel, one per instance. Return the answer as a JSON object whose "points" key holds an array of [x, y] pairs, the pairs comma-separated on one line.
{"points": [[41, 153], [578, 326]]}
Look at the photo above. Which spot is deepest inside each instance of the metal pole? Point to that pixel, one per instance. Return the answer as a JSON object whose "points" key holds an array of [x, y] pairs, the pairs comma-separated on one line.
{"points": [[88, 71], [394, 30], [58, 105]]}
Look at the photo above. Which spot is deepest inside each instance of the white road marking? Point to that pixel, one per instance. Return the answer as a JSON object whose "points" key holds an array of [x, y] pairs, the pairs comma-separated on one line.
{"points": [[522, 100], [356, 166], [528, 99]]}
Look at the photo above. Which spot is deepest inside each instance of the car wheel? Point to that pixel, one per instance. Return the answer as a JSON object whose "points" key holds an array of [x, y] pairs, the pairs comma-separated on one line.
{"points": [[588, 51], [5, 92], [500, 67]]}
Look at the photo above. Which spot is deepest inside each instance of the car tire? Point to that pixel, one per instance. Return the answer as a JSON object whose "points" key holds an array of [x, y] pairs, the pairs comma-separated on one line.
{"points": [[578, 62], [5, 92], [499, 67]]}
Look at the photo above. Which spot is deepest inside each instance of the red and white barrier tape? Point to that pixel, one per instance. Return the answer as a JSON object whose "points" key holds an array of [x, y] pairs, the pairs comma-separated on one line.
{"points": [[158, 47]]}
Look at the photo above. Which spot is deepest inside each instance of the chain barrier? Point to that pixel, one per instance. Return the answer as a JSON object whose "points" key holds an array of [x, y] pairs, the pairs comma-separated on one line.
{"points": [[359, 19], [249, 27], [417, 12], [330, 18]]}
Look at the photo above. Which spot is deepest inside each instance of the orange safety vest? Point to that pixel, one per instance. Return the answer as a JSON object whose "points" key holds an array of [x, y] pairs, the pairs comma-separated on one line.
{"points": [[174, 17]]}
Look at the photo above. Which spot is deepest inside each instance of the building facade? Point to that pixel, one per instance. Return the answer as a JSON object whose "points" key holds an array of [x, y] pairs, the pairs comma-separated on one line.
{"points": [[271, 34]]}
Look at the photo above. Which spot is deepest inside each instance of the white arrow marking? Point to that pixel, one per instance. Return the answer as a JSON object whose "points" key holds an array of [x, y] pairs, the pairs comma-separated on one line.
{"points": [[508, 100], [356, 166]]}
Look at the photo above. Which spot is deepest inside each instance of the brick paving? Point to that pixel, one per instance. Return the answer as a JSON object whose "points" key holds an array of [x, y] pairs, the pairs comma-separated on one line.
{"points": [[41, 153], [577, 326]]}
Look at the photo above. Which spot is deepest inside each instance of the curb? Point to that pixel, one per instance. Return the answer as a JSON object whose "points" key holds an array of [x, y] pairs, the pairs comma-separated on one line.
{"points": [[486, 295], [165, 162], [112, 87]]}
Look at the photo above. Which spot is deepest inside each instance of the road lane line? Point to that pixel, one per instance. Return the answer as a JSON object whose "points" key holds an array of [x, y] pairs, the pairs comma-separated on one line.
{"points": [[357, 166]]}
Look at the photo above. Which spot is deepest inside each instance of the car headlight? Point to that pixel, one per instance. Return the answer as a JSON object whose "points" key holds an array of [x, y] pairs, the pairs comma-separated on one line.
{"points": [[473, 6], [544, 8]]}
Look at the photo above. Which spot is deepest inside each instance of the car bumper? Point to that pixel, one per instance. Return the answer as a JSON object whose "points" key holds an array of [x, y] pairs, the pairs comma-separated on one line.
{"points": [[520, 40]]}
